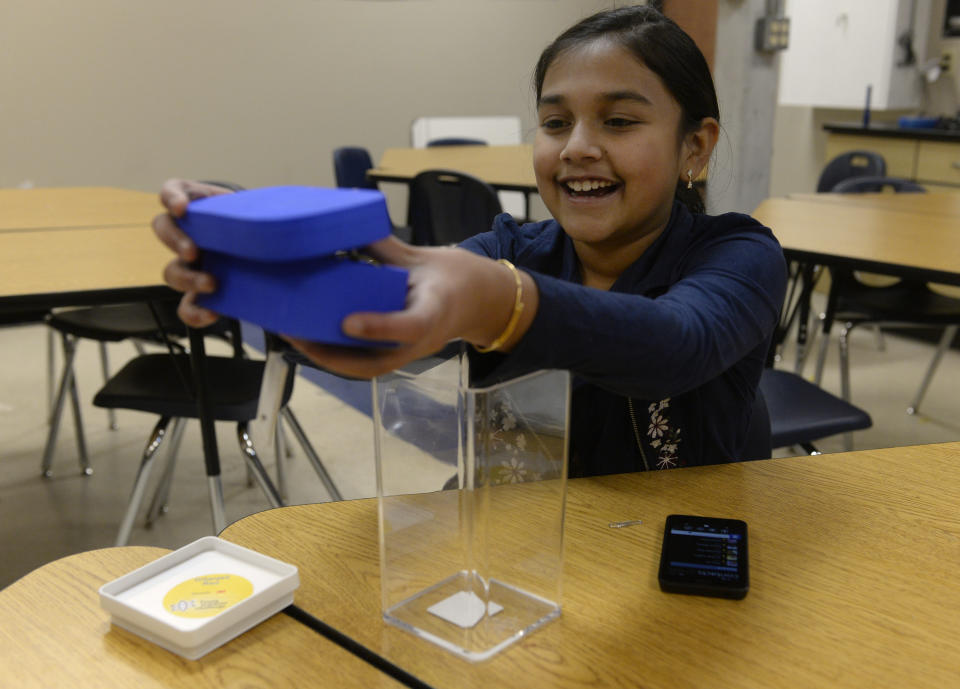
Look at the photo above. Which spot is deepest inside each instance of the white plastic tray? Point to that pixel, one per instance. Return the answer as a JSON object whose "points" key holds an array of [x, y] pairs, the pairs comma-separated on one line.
{"points": [[199, 597]]}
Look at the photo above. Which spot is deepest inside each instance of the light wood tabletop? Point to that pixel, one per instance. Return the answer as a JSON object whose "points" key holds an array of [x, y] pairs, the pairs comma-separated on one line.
{"points": [[853, 566], [58, 265], [65, 246], [868, 237], [60, 207], [55, 634], [502, 167], [933, 203]]}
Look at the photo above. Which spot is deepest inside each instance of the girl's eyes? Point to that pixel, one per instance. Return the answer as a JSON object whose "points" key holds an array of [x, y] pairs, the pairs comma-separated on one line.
{"points": [[555, 123]]}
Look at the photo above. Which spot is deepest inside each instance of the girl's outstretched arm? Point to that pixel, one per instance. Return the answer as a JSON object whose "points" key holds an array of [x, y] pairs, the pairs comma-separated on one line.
{"points": [[452, 293]]}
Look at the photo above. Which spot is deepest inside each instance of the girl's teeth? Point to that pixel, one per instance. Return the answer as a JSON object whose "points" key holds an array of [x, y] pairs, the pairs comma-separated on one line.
{"points": [[588, 185]]}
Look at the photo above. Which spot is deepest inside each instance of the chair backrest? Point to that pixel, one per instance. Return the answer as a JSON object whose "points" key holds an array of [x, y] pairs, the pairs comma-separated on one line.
{"points": [[860, 185], [498, 130], [455, 141], [851, 164], [447, 207], [350, 165]]}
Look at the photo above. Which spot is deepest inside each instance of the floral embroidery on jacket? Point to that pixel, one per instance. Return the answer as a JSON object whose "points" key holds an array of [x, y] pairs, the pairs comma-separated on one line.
{"points": [[663, 438]]}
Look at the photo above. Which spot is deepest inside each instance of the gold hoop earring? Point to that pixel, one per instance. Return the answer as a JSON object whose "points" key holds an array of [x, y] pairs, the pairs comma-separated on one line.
{"points": [[689, 179]]}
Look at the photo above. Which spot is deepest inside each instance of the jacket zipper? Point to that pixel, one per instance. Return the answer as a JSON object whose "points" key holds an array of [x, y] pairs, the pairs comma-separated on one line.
{"points": [[636, 433]]}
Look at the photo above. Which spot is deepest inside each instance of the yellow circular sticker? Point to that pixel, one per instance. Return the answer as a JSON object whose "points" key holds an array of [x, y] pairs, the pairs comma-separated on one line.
{"points": [[207, 595]]}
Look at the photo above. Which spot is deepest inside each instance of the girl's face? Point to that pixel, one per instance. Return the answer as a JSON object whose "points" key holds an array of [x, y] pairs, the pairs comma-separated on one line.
{"points": [[608, 151]]}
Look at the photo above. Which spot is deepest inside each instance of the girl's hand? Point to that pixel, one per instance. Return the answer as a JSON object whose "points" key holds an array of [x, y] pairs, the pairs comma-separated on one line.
{"points": [[452, 293], [175, 195]]}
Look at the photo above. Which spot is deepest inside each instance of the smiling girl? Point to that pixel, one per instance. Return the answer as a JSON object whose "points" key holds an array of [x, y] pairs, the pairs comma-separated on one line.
{"points": [[663, 314]]}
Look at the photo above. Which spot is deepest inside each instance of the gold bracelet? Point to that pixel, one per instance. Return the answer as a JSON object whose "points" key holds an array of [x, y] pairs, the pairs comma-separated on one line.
{"points": [[514, 317]]}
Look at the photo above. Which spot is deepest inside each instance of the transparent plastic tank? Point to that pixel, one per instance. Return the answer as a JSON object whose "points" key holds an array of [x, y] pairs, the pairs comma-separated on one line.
{"points": [[476, 563]]}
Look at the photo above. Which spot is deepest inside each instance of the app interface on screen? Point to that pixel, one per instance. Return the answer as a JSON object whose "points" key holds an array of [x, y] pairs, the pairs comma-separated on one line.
{"points": [[705, 550]]}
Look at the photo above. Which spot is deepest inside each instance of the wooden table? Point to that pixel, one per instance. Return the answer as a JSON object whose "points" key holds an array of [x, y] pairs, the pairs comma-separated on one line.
{"points": [[55, 634], [79, 245], [502, 167], [868, 236], [933, 203], [86, 246], [59, 207], [906, 235], [853, 580]]}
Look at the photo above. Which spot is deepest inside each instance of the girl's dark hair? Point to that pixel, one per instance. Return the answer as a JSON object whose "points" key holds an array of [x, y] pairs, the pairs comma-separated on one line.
{"points": [[665, 49]]}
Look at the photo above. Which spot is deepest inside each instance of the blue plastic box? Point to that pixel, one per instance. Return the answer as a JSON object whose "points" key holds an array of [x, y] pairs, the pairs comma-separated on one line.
{"points": [[274, 253]]}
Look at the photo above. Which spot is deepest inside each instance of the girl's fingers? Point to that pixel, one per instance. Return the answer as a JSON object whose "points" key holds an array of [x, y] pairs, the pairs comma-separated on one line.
{"points": [[193, 315], [174, 238], [393, 251], [184, 279], [175, 194]]}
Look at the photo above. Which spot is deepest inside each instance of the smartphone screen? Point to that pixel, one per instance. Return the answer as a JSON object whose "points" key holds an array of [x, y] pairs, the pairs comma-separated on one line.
{"points": [[704, 556]]}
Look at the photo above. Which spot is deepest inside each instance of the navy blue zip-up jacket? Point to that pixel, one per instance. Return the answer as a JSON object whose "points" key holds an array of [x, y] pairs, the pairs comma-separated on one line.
{"points": [[671, 354]]}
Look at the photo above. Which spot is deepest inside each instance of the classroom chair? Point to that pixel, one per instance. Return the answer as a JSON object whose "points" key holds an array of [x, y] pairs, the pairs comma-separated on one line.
{"points": [[802, 413], [350, 165], [905, 303], [164, 384], [496, 130], [848, 165], [138, 322], [447, 207]]}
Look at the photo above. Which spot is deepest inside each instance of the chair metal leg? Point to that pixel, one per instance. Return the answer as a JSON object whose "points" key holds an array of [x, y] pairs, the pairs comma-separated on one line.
{"points": [[216, 503], [845, 377], [51, 372], [311, 453], [143, 475], [279, 451], [105, 365], [284, 439], [881, 341], [803, 352], [821, 359], [84, 460], [67, 385], [948, 334], [254, 464], [845, 361], [158, 505]]}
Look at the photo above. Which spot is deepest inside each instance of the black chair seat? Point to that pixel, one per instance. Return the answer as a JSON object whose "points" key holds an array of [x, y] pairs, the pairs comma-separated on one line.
{"points": [[21, 315], [906, 301], [801, 412], [118, 322], [157, 383]]}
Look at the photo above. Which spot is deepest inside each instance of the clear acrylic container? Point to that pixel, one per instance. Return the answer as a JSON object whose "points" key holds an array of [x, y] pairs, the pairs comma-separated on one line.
{"points": [[476, 564]]}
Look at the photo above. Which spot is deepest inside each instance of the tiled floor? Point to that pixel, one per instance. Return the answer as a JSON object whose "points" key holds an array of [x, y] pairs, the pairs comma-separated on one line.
{"points": [[41, 519]]}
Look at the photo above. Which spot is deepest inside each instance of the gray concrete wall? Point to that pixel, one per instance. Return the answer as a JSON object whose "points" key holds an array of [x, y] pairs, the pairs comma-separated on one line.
{"points": [[747, 88]]}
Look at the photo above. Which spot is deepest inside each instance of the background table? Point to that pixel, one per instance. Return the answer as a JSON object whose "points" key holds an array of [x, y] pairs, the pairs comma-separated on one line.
{"points": [[79, 245], [852, 557], [933, 203], [61, 207], [55, 634], [502, 167], [868, 236]]}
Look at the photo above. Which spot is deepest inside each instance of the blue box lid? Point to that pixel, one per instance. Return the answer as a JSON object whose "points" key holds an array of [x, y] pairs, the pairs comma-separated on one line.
{"points": [[272, 252], [287, 223]]}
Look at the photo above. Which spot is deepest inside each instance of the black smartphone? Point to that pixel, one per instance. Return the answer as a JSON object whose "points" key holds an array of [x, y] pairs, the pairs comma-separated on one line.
{"points": [[704, 556]]}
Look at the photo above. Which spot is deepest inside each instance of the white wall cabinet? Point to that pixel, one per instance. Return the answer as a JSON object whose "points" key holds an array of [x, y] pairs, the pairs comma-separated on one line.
{"points": [[839, 47]]}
